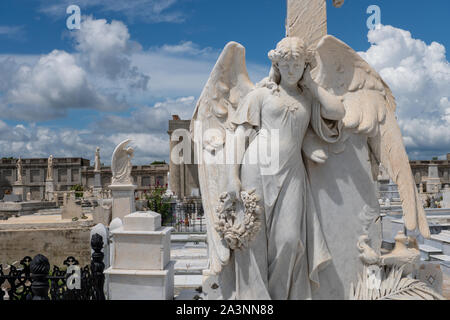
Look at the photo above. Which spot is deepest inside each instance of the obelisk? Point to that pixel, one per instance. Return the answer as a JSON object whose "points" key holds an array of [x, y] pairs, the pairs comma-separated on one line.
{"points": [[307, 19]]}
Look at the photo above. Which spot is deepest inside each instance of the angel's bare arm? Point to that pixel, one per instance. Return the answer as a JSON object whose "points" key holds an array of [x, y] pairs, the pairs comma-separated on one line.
{"points": [[234, 181]]}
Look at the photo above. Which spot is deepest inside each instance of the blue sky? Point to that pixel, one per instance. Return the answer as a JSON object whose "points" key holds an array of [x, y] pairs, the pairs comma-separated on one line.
{"points": [[159, 59]]}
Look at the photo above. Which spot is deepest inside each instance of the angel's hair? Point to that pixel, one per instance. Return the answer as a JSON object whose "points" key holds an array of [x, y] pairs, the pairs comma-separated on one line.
{"points": [[288, 48]]}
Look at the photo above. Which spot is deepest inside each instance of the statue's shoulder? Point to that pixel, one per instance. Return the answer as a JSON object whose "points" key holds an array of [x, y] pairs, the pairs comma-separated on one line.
{"points": [[260, 93]]}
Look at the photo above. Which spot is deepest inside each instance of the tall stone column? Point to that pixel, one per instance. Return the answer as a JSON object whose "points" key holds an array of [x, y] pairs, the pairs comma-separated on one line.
{"points": [[174, 170], [306, 20]]}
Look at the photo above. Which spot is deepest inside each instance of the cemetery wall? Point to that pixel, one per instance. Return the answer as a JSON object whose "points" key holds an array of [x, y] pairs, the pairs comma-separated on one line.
{"points": [[55, 244]]}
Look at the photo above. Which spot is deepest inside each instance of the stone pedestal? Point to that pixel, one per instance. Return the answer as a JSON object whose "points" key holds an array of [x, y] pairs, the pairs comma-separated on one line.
{"points": [[141, 268], [97, 189], [19, 190], [433, 182], [123, 200], [49, 189], [446, 198]]}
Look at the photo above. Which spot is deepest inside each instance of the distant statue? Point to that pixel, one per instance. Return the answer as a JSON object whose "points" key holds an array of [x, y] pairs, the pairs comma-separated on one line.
{"points": [[97, 164], [19, 171], [121, 164], [50, 168]]}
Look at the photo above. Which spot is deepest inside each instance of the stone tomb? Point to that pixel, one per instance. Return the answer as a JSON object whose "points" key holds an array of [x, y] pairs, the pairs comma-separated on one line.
{"points": [[141, 267]]}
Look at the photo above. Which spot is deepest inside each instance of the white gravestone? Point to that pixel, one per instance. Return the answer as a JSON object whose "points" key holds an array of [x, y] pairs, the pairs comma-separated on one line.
{"points": [[141, 268]]}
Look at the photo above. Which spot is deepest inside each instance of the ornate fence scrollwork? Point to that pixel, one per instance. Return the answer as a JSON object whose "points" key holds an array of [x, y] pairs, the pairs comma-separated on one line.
{"points": [[15, 282], [33, 279]]}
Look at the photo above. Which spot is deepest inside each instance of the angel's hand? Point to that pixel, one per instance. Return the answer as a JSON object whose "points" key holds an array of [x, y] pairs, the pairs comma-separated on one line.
{"points": [[314, 148], [232, 194]]}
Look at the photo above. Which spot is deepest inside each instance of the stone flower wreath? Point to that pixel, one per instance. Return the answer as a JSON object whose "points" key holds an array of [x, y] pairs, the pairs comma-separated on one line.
{"points": [[239, 232]]}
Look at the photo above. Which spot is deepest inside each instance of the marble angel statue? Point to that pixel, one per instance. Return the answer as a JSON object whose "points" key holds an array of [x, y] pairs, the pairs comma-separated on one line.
{"points": [[265, 235], [121, 164]]}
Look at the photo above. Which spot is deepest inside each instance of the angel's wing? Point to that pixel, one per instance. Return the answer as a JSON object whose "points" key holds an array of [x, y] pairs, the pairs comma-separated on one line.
{"points": [[227, 85], [370, 110], [117, 155]]}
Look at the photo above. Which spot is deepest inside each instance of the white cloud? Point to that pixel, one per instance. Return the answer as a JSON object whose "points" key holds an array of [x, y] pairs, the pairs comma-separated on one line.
{"points": [[105, 48], [12, 31], [148, 119], [103, 74], [147, 11], [37, 141], [47, 89], [99, 76], [419, 76]]}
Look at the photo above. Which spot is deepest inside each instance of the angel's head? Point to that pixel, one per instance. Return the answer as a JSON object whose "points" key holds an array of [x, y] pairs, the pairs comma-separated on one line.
{"points": [[130, 152], [289, 61]]}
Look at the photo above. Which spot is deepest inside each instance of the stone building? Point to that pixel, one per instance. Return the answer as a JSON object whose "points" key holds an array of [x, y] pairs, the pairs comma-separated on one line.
{"points": [[433, 174], [144, 176], [68, 172], [183, 177]]}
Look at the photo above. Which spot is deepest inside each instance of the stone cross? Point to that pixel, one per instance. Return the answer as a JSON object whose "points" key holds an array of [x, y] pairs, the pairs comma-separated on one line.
{"points": [[307, 19]]}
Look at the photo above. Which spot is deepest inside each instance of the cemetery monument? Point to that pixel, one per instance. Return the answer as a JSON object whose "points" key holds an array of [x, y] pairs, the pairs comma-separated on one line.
{"points": [[302, 221]]}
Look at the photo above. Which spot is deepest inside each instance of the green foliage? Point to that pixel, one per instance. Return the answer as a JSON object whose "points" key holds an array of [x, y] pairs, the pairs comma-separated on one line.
{"points": [[78, 190], [158, 162], [434, 158], [158, 203]]}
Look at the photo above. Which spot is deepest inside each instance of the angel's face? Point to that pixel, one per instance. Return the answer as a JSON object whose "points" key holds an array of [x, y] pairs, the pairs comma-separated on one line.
{"points": [[291, 70]]}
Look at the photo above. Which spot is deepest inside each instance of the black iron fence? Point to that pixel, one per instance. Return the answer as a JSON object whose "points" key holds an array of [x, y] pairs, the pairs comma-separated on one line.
{"points": [[33, 279], [186, 217]]}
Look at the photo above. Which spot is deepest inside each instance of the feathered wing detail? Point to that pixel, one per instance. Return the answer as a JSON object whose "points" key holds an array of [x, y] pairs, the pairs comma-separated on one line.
{"points": [[370, 110], [119, 159], [227, 85]]}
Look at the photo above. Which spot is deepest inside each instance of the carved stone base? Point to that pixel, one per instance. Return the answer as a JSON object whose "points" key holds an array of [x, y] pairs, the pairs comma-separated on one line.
{"points": [[49, 189], [123, 200], [141, 284], [19, 189]]}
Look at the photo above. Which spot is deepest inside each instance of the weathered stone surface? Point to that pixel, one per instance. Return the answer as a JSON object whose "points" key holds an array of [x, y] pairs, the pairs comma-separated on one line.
{"points": [[71, 208], [141, 266], [307, 20], [123, 200], [142, 221], [55, 243]]}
